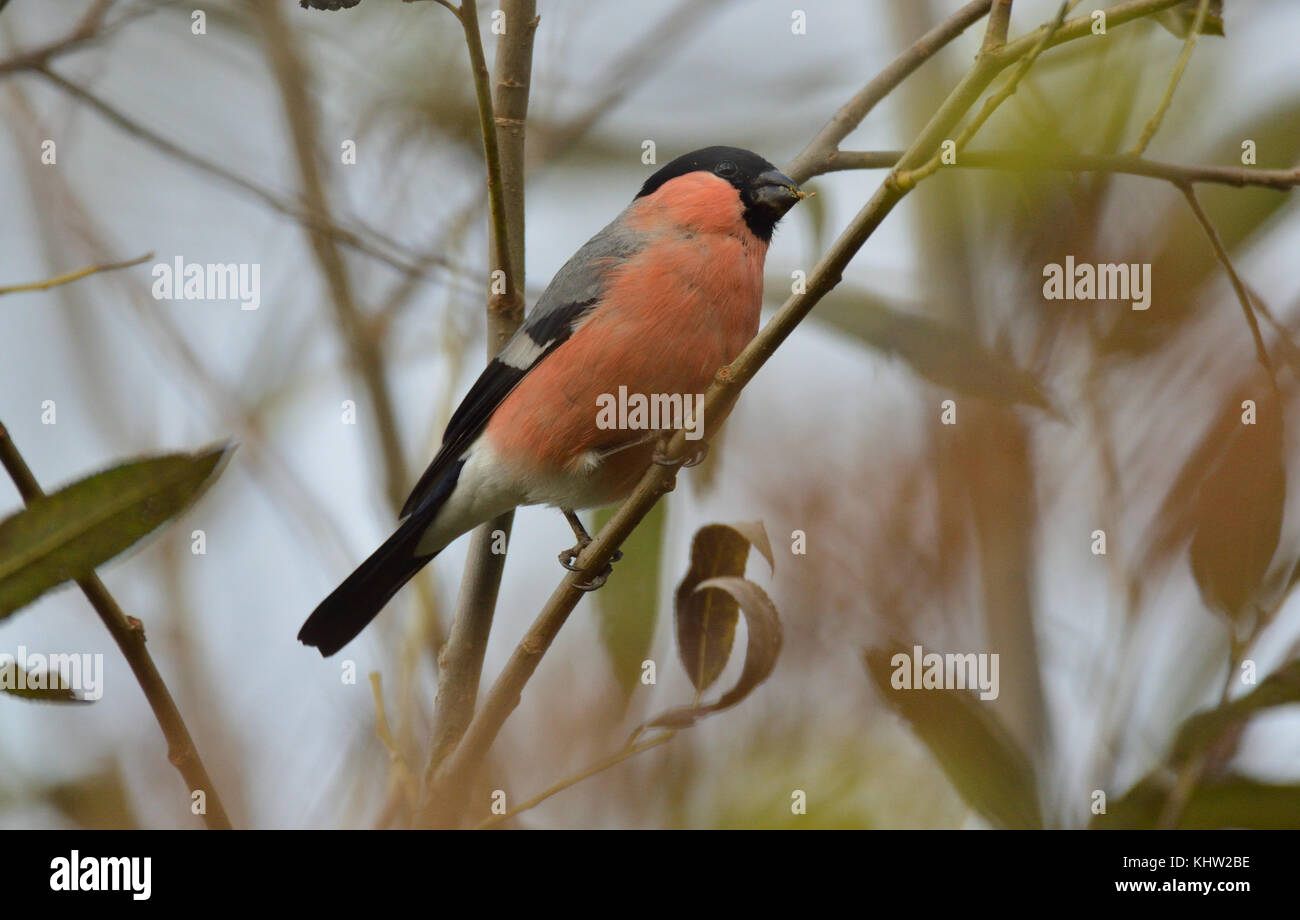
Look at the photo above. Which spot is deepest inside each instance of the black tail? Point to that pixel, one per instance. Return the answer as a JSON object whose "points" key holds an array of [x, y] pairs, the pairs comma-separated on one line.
{"points": [[353, 604]]}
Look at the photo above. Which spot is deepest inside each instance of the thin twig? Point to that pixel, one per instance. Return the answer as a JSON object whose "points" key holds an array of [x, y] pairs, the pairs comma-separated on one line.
{"points": [[89, 28], [1280, 179], [1243, 297], [1189, 43], [72, 276], [402, 777], [500, 228], [128, 633], [995, 35], [503, 120], [598, 767], [809, 162], [910, 177]]}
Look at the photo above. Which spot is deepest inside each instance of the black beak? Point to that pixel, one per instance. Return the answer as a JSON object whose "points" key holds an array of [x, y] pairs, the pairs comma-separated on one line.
{"points": [[776, 191]]}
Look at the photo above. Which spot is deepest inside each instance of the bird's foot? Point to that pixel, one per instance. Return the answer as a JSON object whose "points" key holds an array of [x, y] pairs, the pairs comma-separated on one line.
{"points": [[694, 459], [569, 559]]}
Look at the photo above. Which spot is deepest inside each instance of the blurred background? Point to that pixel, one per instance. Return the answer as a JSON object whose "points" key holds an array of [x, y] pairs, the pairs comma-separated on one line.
{"points": [[1072, 417]]}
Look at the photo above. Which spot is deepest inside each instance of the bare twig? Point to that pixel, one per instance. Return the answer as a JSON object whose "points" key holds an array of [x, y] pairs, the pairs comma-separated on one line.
{"points": [[402, 779], [128, 633], [1243, 297], [910, 177], [1280, 179], [1189, 43], [598, 767], [809, 162], [995, 35], [72, 276], [89, 28], [503, 121], [509, 302]]}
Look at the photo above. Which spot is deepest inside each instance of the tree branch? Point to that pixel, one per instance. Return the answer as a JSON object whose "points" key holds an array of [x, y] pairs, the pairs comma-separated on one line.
{"points": [[1279, 179], [503, 121], [88, 29], [995, 35], [809, 162], [128, 633], [910, 177]]}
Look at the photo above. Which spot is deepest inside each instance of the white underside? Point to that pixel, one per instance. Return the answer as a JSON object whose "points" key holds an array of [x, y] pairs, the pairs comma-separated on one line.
{"points": [[488, 487]]}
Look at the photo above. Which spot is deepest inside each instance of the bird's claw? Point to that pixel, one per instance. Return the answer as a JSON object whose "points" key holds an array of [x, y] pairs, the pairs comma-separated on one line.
{"points": [[694, 459], [598, 581], [569, 559]]}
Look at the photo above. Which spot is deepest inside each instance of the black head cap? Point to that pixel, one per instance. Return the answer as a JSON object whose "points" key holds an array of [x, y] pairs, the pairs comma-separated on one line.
{"points": [[765, 191]]}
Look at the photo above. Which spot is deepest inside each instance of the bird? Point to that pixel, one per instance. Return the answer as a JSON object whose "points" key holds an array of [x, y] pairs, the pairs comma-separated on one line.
{"points": [[656, 302]]}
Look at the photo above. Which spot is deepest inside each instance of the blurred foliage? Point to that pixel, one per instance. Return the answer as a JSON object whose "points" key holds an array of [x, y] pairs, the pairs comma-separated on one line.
{"points": [[982, 760], [947, 358], [1238, 511], [1232, 802], [628, 605], [1281, 688], [98, 800]]}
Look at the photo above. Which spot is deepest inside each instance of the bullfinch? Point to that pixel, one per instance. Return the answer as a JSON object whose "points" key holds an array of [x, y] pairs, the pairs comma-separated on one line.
{"points": [[655, 303]]}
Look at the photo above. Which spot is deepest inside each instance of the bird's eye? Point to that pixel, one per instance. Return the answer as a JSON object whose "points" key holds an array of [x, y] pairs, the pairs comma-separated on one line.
{"points": [[726, 168]]}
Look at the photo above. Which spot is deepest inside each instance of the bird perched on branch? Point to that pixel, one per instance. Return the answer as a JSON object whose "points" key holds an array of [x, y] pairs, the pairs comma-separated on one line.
{"points": [[656, 302]]}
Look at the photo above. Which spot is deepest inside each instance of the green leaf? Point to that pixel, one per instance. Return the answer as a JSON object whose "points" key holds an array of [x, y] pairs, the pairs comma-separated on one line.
{"points": [[17, 682], [66, 535], [979, 756], [1234, 802], [1237, 516], [627, 608], [1280, 688], [945, 357], [764, 627], [706, 619]]}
